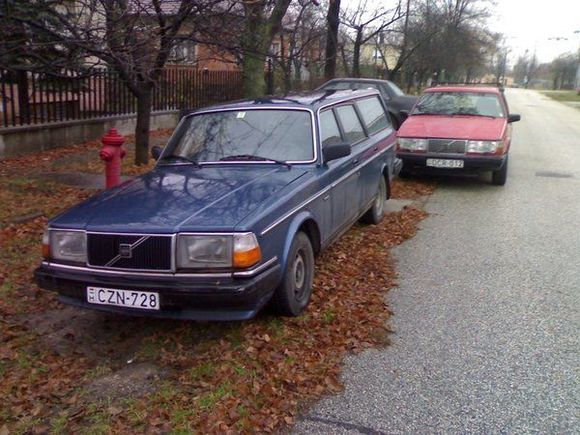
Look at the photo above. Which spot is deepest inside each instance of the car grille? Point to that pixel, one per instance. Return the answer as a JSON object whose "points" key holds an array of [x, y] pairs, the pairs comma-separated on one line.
{"points": [[450, 146], [129, 252]]}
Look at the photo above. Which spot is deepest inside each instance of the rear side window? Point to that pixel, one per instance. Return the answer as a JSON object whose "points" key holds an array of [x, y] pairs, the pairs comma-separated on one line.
{"points": [[353, 130], [329, 131], [373, 114]]}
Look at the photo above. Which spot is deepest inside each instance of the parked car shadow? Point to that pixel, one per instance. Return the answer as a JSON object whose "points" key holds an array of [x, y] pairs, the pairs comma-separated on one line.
{"points": [[457, 181]]}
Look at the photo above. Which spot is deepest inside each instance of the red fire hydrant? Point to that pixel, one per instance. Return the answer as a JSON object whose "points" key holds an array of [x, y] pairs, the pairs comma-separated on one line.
{"points": [[112, 153]]}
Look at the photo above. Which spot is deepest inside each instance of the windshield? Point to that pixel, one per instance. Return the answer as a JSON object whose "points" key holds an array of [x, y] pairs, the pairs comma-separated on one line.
{"points": [[459, 103], [395, 90], [344, 85], [277, 135]]}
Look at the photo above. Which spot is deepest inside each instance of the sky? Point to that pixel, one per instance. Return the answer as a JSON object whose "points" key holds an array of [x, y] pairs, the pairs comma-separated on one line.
{"points": [[527, 25], [533, 24]]}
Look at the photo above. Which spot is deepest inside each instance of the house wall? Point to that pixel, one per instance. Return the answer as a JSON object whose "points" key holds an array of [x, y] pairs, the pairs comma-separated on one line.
{"points": [[212, 59], [16, 141]]}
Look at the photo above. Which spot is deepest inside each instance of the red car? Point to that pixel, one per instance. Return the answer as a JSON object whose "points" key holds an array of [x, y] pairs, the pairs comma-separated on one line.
{"points": [[458, 129]]}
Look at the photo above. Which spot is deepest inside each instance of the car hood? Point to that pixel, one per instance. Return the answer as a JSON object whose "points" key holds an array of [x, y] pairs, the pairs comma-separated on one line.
{"points": [[180, 198], [453, 127]]}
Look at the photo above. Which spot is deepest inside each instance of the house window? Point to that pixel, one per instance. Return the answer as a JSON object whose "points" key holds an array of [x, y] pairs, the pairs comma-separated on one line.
{"points": [[183, 52], [275, 49]]}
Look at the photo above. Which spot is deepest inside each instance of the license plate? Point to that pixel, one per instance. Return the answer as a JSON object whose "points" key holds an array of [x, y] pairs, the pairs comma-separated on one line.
{"points": [[444, 163], [123, 298]]}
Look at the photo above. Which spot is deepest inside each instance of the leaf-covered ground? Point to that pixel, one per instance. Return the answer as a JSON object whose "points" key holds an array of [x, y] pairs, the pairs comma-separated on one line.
{"points": [[64, 369]]}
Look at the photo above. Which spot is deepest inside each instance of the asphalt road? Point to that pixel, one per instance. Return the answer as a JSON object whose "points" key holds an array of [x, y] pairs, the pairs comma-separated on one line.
{"points": [[486, 317]]}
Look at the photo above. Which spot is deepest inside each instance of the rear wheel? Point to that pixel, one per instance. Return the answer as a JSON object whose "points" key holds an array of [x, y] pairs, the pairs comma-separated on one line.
{"points": [[374, 215], [293, 294], [499, 177]]}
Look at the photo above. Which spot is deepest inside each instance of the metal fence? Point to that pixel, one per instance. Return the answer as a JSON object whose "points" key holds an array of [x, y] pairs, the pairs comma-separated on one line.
{"points": [[28, 98]]}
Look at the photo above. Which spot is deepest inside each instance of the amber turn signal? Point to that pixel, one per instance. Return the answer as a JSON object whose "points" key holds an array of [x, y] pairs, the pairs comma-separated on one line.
{"points": [[248, 258], [45, 246], [246, 250]]}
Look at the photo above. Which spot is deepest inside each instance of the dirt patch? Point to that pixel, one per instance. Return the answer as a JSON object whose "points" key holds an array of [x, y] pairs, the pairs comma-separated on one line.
{"points": [[132, 381], [96, 336]]}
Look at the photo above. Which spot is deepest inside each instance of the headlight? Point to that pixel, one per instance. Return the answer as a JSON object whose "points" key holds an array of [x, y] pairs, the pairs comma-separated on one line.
{"points": [[204, 251], [408, 144], [215, 251], [483, 146], [68, 245]]}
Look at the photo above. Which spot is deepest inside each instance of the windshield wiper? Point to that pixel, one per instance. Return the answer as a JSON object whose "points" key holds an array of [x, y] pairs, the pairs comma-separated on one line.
{"points": [[250, 157], [182, 158], [472, 114]]}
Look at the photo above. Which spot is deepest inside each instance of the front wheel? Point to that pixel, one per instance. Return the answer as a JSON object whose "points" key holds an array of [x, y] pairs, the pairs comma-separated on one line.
{"points": [[293, 294], [499, 177], [375, 214]]}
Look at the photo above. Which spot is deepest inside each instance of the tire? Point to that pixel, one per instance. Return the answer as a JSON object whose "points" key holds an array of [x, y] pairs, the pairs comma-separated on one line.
{"points": [[404, 173], [293, 295], [499, 177], [374, 215]]}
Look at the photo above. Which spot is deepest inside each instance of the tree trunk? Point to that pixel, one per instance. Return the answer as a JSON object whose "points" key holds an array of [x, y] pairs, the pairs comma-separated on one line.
{"points": [[144, 102], [298, 72], [356, 54], [332, 20], [254, 47], [23, 100], [254, 81]]}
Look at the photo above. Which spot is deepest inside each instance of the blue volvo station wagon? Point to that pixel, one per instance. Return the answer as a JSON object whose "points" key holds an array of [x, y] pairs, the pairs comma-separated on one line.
{"points": [[242, 199]]}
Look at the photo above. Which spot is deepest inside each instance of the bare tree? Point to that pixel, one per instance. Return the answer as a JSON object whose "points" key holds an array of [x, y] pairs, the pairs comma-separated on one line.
{"points": [[262, 21], [300, 37], [366, 23], [134, 37], [444, 39]]}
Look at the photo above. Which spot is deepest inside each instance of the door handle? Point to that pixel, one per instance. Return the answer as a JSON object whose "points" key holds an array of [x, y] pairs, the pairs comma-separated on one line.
{"points": [[354, 161], [326, 197], [375, 148]]}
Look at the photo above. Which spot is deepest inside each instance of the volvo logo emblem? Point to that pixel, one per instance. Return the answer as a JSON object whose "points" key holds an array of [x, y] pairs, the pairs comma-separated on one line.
{"points": [[125, 250]]}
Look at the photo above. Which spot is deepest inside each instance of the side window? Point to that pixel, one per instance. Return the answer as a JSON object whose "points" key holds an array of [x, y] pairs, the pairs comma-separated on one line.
{"points": [[329, 131], [351, 125], [373, 114]]}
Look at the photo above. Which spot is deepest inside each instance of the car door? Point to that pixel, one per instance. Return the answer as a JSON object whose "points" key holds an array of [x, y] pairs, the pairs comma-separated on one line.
{"points": [[331, 214], [381, 136], [346, 199]]}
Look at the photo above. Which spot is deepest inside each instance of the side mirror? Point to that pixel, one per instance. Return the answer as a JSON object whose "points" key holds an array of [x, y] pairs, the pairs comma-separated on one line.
{"points": [[404, 114], [514, 117], [156, 152], [336, 151]]}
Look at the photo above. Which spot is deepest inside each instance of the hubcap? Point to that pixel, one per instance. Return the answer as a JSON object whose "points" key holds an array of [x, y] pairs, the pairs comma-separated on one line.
{"points": [[299, 274], [380, 199]]}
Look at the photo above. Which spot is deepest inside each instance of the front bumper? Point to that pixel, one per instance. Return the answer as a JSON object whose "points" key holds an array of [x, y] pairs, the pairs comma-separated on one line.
{"points": [[472, 164], [182, 296]]}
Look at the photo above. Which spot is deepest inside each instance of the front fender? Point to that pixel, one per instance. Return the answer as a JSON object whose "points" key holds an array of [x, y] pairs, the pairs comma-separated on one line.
{"points": [[293, 228]]}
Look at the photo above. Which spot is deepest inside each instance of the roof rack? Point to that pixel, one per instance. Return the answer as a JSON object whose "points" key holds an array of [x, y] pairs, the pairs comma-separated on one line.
{"points": [[493, 84]]}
